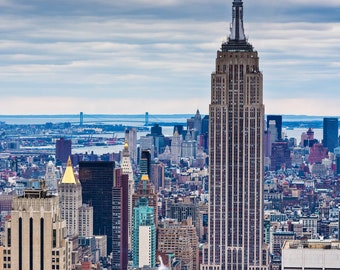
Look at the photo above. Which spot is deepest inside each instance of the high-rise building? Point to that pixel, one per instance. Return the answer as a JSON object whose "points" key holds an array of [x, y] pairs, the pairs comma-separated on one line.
{"points": [[307, 139], [176, 148], [158, 139], [86, 221], [181, 239], [97, 180], [157, 176], [337, 163], [120, 219], [317, 153], [236, 117], [146, 190], [280, 157], [144, 235], [50, 177], [81, 118], [276, 121], [194, 124], [131, 138], [145, 162], [330, 133], [78, 217], [147, 143], [182, 210], [69, 191], [34, 234], [189, 147], [127, 169], [63, 150]]}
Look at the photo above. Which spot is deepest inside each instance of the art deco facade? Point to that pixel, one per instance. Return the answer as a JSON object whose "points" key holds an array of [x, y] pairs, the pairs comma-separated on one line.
{"points": [[236, 115], [34, 235]]}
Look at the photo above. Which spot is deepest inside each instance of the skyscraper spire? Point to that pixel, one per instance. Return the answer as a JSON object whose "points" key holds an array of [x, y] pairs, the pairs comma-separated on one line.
{"points": [[236, 113], [237, 40], [237, 30]]}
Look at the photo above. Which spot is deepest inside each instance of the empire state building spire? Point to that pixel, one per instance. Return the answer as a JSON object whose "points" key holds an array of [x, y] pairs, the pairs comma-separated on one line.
{"points": [[237, 40]]}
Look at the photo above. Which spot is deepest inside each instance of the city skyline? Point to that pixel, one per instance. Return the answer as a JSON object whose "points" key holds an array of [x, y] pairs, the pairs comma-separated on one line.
{"points": [[137, 56]]}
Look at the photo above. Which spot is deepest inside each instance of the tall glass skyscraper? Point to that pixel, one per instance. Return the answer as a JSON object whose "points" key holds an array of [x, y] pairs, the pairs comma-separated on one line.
{"points": [[330, 133], [97, 181], [236, 128]]}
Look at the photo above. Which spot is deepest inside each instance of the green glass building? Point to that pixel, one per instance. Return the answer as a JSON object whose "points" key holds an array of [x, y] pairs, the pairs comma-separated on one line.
{"points": [[144, 235]]}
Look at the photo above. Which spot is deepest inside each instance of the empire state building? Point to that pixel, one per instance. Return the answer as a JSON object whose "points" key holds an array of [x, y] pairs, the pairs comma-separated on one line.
{"points": [[236, 119]]}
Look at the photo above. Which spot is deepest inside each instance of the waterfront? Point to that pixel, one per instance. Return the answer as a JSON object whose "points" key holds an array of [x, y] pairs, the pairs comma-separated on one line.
{"points": [[138, 121]]}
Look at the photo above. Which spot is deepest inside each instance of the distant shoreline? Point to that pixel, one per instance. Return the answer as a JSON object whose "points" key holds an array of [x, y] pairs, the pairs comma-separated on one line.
{"points": [[288, 121]]}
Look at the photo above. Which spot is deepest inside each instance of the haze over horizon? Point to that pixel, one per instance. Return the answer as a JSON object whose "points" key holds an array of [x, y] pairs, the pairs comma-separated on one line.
{"points": [[104, 57]]}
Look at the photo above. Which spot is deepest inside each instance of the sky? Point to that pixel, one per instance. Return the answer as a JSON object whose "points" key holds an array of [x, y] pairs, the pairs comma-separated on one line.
{"points": [[136, 56]]}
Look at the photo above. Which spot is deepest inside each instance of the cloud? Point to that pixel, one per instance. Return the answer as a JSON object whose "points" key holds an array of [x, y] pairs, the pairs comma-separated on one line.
{"points": [[97, 51]]}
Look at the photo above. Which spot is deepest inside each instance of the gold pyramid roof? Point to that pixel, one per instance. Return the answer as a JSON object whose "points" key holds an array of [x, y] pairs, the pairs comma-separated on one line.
{"points": [[145, 177], [68, 177]]}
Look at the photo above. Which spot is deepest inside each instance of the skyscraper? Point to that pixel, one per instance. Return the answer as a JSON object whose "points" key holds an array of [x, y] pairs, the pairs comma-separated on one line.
{"points": [[69, 190], [236, 127], [127, 169], [146, 190], [50, 177], [330, 133], [277, 121], [131, 138], [176, 148], [144, 235], [96, 178], [181, 238], [34, 235], [63, 150], [145, 162], [120, 218]]}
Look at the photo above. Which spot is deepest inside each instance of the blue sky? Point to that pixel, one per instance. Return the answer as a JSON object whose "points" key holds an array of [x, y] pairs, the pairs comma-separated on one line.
{"points": [[133, 56]]}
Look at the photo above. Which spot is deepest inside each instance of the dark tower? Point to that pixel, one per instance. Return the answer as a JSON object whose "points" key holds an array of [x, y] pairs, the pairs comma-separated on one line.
{"points": [[63, 150], [330, 133], [278, 124], [97, 181], [145, 163], [81, 118], [120, 219]]}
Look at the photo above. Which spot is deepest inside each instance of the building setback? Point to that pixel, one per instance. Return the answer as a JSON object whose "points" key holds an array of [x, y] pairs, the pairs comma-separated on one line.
{"points": [[236, 119], [35, 234]]}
